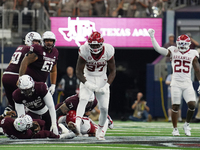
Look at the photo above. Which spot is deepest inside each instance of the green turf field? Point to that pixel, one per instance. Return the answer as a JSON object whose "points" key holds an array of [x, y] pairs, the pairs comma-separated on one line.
{"points": [[125, 135]]}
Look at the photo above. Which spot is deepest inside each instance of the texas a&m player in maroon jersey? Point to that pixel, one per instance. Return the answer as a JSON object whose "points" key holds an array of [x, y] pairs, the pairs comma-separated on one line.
{"points": [[25, 127], [11, 74], [71, 103], [37, 100], [42, 60]]}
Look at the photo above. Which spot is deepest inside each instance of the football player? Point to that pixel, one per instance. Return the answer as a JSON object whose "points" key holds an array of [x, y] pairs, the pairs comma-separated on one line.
{"points": [[37, 100], [183, 59], [71, 103], [94, 58], [41, 60], [11, 74], [87, 127], [25, 127], [66, 111]]}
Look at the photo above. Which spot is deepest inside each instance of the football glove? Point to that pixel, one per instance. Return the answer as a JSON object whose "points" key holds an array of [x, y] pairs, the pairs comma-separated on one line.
{"points": [[54, 129], [104, 89], [52, 89], [151, 32], [90, 86]]}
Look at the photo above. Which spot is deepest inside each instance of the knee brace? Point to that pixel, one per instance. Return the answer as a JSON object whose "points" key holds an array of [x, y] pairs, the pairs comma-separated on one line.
{"points": [[191, 109], [174, 111]]}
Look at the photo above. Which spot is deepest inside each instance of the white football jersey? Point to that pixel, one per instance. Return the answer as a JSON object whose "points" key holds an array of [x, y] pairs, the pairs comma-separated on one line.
{"points": [[87, 126], [96, 67], [182, 63]]}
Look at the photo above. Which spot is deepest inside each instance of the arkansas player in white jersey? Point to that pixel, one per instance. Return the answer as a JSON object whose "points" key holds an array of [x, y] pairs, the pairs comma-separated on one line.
{"points": [[94, 58], [183, 59]]}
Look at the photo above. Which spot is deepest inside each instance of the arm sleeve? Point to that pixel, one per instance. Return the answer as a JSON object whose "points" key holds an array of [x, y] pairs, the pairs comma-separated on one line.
{"points": [[161, 50], [20, 109], [50, 104]]}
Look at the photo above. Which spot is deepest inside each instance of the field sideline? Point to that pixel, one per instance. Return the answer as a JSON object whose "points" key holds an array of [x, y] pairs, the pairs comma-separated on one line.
{"points": [[125, 135]]}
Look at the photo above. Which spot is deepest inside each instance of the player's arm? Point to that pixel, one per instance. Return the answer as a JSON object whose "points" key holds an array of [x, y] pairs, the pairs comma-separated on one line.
{"points": [[19, 109], [111, 69], [196, 67], [79, 69], [53, 74], [161, 50], [28, 59], [48, 99]]}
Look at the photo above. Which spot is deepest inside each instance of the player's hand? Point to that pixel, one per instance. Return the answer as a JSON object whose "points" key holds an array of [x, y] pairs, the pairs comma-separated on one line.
{"points": [[91, 86], [52, 89], [11, 113], [36, 127], [198, 90], [151, 32], [104, 89], [54, 129]]}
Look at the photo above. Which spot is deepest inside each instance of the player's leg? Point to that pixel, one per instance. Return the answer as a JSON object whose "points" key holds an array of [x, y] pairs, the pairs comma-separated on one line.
{"points": [[176, 94], [169, 109], [189, 96], [103, 101], [84, 96]]}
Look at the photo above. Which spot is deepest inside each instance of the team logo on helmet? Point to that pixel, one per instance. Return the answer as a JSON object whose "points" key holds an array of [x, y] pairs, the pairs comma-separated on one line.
{"points": [[183, 43], [95, 42]]}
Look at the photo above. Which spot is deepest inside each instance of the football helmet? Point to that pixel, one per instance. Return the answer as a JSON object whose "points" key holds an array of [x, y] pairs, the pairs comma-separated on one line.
{"points": [[23, 123], [26, 85], [48, 35], [71, 116], [95, 42], [183, 42], [31, 36]]}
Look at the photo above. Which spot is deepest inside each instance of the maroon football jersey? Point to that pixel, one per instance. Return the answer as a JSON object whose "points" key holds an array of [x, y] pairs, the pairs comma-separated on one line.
{"points": [[11, 74], [17, 58], [34, 102], [72, 103], [10, 131], [39, 70]]}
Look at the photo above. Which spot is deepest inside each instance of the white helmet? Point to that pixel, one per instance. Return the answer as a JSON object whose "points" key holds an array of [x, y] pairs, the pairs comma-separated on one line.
{"points": [[50, 36], [183, 43], [32, 36], [23, 123], [26, 85]]}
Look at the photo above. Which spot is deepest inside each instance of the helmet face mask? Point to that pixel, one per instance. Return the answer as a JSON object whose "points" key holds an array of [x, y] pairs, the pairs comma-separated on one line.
{"points": [[32, 37], [26, 85], [23, 123], [95, 42], [183, 43], [48, 39]]}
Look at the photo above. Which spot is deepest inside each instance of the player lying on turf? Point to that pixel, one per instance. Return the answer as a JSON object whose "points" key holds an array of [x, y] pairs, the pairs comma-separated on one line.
{"points": [[25, 127]]}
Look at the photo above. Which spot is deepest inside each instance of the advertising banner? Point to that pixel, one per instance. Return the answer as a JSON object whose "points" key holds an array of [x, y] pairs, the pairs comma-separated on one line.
{"points": [[119, 32]]}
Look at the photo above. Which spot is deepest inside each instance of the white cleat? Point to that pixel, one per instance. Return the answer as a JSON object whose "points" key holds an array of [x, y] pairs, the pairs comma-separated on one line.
{"points": [[187, 129], [175, 132], [100, 135]]}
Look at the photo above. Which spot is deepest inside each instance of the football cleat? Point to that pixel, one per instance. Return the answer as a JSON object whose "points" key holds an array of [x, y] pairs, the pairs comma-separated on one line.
{"points": [[100, 135], [187, 129], [175, 132], [110, 123]]}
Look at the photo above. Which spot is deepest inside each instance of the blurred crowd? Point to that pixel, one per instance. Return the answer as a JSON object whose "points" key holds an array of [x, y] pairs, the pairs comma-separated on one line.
{"points": [[96, 8]]}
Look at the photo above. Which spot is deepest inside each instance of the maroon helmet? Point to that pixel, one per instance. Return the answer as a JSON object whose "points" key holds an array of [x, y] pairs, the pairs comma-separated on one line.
{"points": [[95, 42]]}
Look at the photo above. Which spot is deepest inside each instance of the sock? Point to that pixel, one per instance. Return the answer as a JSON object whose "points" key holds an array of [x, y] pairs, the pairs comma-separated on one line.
{"points": [[103, 116]]}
